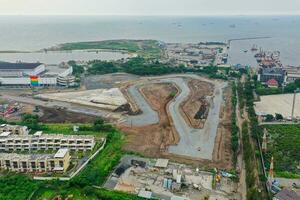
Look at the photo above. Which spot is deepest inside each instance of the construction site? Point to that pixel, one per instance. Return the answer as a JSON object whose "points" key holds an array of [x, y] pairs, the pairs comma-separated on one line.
{"points": [[185, 118], [162, 179]]}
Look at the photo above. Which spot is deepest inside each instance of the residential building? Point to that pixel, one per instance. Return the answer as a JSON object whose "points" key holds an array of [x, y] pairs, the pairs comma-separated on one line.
{"points": [[36, 163], [40, 141], [14, 129]]}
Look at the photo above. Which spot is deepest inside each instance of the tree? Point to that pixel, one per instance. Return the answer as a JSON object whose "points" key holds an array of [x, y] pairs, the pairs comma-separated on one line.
{"points": [[98, 124], [102, 67], [278, 116], [32, 121], [269, 118]]}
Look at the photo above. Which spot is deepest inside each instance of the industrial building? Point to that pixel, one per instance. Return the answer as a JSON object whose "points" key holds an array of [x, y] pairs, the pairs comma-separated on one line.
{"points": [[14, 129], [276, 73], [36, 74], [40, 141], [36, 163]]}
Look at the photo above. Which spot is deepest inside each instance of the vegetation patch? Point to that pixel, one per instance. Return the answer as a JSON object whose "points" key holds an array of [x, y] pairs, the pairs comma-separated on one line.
{"points": [[147, 48], [234, 127], [284, 146], [16, 187]]}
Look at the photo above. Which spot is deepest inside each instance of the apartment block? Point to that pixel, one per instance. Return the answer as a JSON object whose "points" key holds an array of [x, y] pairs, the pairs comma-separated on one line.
{"points": [[40, 141], [36, 163], [14, 129]]}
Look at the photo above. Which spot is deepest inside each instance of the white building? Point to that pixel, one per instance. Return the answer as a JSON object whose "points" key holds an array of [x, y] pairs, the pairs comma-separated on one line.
{"points": [[20, 69], [14, 129], [18, 74], [292, 74], [40, 141]]}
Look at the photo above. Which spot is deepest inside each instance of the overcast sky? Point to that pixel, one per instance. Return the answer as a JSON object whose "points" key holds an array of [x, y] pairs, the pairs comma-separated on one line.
{"points": [[149, 7]]}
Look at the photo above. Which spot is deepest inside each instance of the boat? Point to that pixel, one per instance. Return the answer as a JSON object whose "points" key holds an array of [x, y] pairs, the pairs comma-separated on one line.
{"points": [[254, 48]]}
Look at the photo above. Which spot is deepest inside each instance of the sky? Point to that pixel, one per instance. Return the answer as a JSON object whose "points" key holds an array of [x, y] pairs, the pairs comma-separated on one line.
{"points": [[149, 7]]}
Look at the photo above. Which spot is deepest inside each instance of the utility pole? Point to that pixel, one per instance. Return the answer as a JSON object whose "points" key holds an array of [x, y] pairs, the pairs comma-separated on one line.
{"points": [[294, 101]]}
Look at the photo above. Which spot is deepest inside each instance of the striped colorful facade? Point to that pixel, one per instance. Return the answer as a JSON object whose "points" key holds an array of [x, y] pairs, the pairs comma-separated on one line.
{"points": [[34, 81]]}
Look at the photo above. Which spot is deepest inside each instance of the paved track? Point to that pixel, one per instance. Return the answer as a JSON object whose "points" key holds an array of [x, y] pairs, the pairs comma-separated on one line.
{"points": [[197, 143]]}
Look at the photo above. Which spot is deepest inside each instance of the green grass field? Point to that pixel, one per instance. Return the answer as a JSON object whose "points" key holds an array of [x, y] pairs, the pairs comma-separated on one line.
{"points": [[146, 48], [284, 146]]}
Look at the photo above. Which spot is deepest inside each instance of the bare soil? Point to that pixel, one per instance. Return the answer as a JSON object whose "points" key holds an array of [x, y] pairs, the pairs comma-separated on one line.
{"points": [[152, 140], [222, 152], [197, 98], [51, 115]]}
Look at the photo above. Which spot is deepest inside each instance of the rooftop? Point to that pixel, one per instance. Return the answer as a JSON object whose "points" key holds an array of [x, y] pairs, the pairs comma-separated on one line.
{"points": [[5, 134], [273, 70], [18, 66], [51, 136], [15, 156], [162, 163], [61, 153]]}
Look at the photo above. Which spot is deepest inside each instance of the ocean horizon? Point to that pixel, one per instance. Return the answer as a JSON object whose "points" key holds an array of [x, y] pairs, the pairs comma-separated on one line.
{"points": [[36, 32]]}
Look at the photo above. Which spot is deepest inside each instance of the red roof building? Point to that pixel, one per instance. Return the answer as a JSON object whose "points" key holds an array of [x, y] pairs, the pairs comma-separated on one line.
{"points": [[272, 83]]}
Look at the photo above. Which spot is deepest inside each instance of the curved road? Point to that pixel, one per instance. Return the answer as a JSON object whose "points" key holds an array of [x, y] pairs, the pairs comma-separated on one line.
{"points": [[197, 143]]}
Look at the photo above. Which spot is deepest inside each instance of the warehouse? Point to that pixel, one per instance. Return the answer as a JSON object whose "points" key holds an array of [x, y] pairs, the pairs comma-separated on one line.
{"points": [[36, 74], [20, 69]]}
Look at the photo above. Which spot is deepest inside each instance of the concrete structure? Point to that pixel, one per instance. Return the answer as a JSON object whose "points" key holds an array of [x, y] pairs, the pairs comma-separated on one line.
{"points": [[286, 194], [14, 129], [18, 74], [161, 163], [36, 163], [109, 99], [39, 141], [281, 103], [266, 74]]}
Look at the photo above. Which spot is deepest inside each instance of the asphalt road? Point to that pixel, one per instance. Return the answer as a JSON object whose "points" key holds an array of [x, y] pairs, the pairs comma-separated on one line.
{"points": [[198, 143], [148, 116]]}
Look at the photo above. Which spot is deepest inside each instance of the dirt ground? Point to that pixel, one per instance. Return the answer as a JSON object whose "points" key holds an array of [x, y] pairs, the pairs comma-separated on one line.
{"points": [[222, 152], [51, 115], [222, 156], [152, 140], [199, 91]]}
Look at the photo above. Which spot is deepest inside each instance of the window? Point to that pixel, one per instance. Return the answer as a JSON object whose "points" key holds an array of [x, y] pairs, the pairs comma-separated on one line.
{"points": [[52, 164], [7, 163], [61, 163], [42, 165], [15, 164], [24, 165], [33, 165]]}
